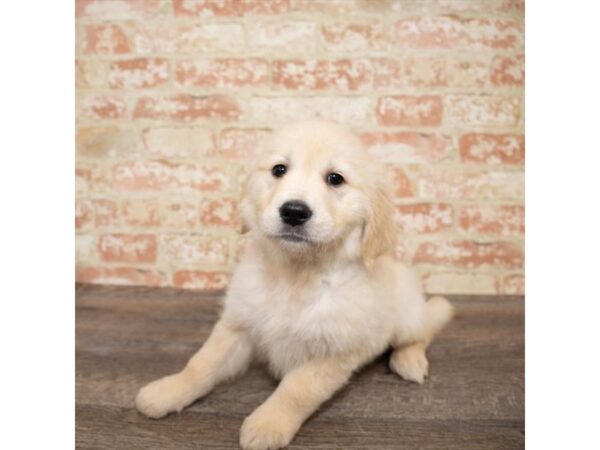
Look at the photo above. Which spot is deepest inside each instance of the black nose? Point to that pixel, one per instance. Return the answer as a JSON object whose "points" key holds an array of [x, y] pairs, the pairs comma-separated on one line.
{"points": [[295, 212]]}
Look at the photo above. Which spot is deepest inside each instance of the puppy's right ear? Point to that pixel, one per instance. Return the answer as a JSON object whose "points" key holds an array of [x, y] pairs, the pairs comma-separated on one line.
{"points": [[244, 207], [249, 201]]}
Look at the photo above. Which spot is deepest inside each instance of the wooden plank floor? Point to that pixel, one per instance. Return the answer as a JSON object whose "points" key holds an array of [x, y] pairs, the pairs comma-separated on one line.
{"points": [[126, 337]]}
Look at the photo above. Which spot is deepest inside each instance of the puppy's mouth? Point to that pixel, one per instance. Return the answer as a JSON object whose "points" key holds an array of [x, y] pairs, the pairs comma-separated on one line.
{"points": [[294, 237]]}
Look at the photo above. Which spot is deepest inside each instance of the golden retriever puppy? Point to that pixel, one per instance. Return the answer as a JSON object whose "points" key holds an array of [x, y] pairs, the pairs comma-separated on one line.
{"points": [[317, 293]]}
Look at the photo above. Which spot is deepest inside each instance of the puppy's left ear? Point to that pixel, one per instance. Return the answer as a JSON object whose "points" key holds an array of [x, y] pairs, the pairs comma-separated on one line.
{"points": [[379, 235]]}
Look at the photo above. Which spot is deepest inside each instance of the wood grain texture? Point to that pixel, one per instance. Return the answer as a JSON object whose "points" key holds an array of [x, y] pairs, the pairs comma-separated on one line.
{"points": [[126, 337]]}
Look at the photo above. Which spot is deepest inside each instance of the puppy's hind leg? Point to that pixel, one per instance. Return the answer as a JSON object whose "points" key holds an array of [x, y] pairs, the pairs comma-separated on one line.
{"points": [[226, 353], [408, 359]]}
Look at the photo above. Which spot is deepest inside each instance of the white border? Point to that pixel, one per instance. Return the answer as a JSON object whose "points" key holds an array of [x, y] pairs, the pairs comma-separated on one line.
{"points": [[563, 225], [37, 229]]}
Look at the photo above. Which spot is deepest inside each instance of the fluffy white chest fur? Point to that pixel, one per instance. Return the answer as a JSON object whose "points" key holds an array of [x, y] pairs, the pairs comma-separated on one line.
{"points": [[343, 310]]}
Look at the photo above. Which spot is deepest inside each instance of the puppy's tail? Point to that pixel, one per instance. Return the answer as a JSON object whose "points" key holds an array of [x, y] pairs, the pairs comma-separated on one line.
{"points": [[438, 312]]}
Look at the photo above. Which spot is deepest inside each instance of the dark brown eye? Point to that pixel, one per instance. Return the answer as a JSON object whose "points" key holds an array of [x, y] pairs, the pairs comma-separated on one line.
{"points": [[278, 170], [335, 179]]}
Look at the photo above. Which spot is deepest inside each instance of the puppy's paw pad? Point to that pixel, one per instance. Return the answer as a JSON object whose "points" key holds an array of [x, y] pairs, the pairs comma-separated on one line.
{"points": [[160, 397], [266, 432], [410, 363]]}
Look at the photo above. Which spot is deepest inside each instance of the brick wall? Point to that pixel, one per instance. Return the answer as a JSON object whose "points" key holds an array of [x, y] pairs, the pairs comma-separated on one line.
{"points": [[172, 96]]}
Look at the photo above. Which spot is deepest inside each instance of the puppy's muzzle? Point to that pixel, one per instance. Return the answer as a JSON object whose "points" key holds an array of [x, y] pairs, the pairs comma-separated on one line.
{"points": [[295, 213]]}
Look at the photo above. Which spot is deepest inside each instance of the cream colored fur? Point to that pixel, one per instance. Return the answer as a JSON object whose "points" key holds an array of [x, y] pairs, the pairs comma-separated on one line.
{"points": [[314, 311]]}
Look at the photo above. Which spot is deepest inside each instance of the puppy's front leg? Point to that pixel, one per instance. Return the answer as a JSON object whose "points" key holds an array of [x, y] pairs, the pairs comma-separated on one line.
{"points": [[274, 423], [226, 353]]}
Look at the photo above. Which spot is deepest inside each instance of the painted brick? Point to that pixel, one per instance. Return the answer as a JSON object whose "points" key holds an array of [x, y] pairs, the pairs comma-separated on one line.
{"points": [[514, 285], [106, 142], [508, 70], [91, 74], [469, 254], [407, 147], [163, 176], [355, 37], [517, 6], [455, 32], [106, 213], [222, 73], [488, 148], [338, 75], [429, 32], [85, 249], [326, 7], [84, 214], [241, 144], [221, 212], [504, 220], [494, 33], [427, 71], [119, 9], [179, 214], [425, 110], [439, 71], [91, 179], [200, 280], [458, 183], [207, 8], [461, 283], [387, 73], [174, 37], [424, 217], [483, 110], [138, 73], [179, 142], [186, 108], [105, 39], [82, 180], [196, 250], [347, 110], [403, 186], [287, 36], [141, 213], [471, 72], [127, 247], [450, 6], [104, 107], [125, 276]]}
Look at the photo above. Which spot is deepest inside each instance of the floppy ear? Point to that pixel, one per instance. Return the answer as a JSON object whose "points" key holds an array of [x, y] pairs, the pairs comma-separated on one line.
{"points": [[249, 200], [244, 208], [246, 205], [379, 235]]}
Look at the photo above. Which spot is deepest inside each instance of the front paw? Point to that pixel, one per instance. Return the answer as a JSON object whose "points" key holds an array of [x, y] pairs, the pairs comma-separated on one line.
{"points": [[410, 363], [161, 397], [268, 430]]}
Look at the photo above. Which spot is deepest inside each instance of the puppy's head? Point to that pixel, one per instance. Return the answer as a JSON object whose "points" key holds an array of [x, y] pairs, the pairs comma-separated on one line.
{"points": [[316, 189]]}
